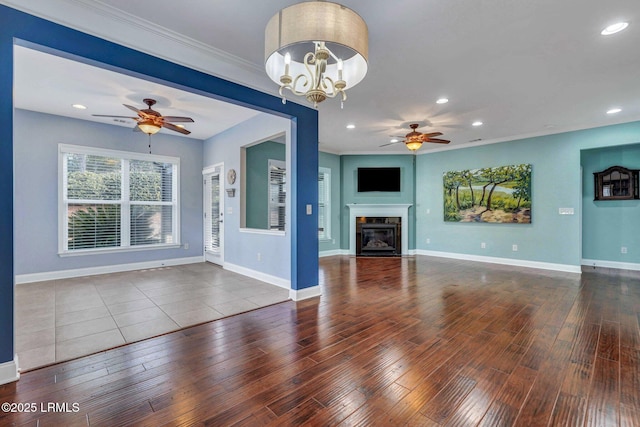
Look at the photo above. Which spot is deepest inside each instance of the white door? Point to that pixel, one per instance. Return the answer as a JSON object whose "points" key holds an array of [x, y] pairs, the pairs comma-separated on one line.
{"points": [[213, 215]]}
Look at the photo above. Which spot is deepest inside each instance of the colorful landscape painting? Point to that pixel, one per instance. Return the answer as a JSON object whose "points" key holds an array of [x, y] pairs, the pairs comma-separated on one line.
{"points": [[500, 195]]}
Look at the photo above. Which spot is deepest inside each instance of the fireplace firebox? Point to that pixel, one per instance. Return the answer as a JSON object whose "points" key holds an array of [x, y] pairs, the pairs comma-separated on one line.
{"points": [[378, 239]]}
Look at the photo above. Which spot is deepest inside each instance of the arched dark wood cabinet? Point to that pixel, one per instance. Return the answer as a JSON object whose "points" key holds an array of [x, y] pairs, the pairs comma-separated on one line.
{"points": [[616, 183]]}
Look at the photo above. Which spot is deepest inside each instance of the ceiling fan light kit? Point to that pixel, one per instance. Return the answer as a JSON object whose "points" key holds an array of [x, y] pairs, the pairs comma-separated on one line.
{"points": [[413, 145], [150, 121], [316, 49], [414, 139], [149, 127]]}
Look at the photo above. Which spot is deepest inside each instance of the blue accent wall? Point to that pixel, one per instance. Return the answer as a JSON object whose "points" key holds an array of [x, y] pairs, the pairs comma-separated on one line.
{"points": [[350, 165], [609, 225], [26, 29]]}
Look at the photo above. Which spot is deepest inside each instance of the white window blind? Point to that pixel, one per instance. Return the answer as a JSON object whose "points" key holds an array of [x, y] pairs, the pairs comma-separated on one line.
{"points": [[277, 194], [324, 203], [112, 199], [212, 220]]}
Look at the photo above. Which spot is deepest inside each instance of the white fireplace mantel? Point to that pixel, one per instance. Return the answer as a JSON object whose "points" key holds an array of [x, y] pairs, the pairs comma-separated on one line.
{"points": [[379, 210]]}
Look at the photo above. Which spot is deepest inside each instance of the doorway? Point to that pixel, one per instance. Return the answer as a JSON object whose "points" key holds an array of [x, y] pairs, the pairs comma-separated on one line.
{"points": [[213, 214]]}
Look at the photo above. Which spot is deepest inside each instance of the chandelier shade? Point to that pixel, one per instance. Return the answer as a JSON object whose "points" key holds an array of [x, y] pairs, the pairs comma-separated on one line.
{"points": [[317, 49]]}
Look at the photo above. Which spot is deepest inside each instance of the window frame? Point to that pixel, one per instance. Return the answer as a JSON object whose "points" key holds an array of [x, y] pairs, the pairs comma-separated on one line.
{"points": [[326, 203], [124, 202]]}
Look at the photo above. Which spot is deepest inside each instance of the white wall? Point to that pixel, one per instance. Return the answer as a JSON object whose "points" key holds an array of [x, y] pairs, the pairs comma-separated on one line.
{"points": [[241, 247]]}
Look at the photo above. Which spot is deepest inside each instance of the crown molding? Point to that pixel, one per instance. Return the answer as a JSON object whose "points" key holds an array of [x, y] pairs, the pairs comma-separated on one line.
{"points": [[132, 31]]}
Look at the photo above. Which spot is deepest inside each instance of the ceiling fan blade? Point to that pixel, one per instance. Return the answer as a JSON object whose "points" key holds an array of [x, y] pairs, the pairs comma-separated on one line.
{"points": [[115, 117], [175, 128], [429, 135], [388, 143], [437, 141], [178, 119], [132, 108]]}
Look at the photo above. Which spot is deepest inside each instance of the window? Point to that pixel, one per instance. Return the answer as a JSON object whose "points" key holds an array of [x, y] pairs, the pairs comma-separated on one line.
{"points": [[324, 204], [277, 194], [112, 200]]}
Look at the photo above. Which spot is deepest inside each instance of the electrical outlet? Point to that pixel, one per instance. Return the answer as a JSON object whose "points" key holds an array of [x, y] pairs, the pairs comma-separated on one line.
{"points": [[428, 211], [623, 250], [186, 246], [514, 248], [483, 245], [428, 240], [259, 256]]}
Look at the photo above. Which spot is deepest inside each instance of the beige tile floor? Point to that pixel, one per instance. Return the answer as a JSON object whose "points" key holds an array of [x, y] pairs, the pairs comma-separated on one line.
{"points": [[62, 319]]}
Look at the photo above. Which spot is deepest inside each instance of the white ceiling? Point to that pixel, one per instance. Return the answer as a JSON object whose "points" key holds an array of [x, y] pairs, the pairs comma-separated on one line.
{"points": [[67, 82], [523, 68]]}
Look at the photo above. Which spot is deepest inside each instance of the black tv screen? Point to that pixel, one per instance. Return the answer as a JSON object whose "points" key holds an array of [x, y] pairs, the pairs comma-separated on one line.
{"points": [[378, 179]]}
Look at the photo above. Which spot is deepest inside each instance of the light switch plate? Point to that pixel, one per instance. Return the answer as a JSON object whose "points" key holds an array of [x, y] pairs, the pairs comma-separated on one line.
{"points": [[309, 210]]}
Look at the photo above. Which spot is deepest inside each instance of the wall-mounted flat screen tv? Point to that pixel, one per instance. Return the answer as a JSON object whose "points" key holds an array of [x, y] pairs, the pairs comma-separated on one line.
{"points": [[378, 179]]}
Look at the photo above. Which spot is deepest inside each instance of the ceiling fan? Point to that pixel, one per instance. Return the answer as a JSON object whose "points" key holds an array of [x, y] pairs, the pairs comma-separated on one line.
{"points": [[414, 139], [150, 121]]}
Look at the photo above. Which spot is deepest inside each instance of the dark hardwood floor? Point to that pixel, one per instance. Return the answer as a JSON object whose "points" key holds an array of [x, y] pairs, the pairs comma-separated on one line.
{"points": [[392, 341]]}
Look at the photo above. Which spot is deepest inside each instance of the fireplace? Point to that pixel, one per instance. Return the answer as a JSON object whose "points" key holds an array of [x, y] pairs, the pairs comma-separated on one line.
{"points": [[378, 239], [390, 214]]}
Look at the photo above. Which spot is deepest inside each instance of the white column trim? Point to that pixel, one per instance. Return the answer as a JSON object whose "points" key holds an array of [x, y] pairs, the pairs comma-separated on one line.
{"points": [[9, 371], [306, 293]]}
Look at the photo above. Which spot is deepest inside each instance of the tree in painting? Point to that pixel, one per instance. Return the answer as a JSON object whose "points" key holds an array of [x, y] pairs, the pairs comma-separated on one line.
{"points": [[500, 194]]}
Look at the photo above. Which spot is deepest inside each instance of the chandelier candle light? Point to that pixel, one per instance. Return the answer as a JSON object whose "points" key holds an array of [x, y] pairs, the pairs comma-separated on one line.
{"points": [[317, 49]]}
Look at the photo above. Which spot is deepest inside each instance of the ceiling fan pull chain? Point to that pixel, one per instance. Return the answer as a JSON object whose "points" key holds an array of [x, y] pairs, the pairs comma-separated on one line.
{"points": [[149, 143]]}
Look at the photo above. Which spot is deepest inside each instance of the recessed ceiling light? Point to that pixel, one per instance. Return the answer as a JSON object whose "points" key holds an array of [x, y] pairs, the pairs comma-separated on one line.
{"points": [[614, 28], [477, 123], [180, 126], [79, 106], [394, 140], [614, 110], [351, 126], [442, 101]]}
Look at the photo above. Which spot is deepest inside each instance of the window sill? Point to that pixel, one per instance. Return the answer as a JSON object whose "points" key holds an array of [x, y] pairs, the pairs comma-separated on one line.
{"points": [[81, 252]]}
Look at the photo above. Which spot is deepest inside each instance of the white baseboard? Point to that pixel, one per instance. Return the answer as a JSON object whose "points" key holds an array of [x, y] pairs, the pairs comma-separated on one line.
{"points": [[333, 252], [274, 280], [9, 371], [611, 264], [505, 261], [92, 271], [306, 293]]}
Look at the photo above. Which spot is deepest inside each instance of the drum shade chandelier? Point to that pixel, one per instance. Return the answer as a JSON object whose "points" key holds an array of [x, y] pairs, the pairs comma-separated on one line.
{"points": [[316, 49]]}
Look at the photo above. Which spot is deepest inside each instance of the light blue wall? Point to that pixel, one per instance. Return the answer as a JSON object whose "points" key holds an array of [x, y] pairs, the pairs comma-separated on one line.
{"points": [[556, 183], [350, 165], [609, 225], [332, 162], [241, 246], [257, 188], [36, 139]]}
